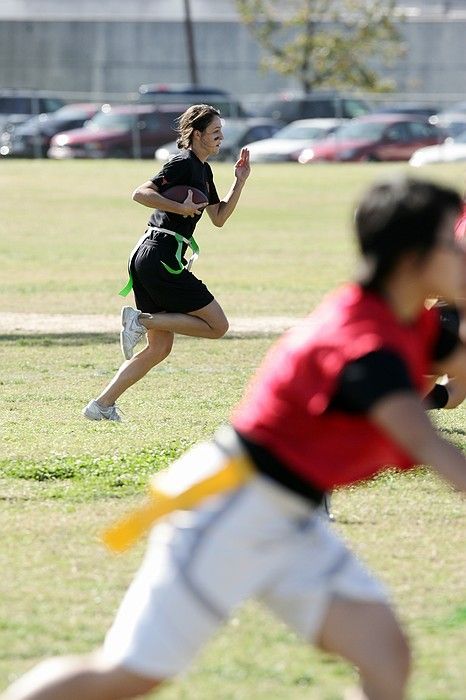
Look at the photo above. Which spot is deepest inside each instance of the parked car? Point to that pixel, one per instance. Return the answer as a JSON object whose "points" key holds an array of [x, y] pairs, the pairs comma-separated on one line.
{"points": [[375, 137], [288, 142], [32, 138], [187, 94], [421, 110], [453, 123], [121, 131], [236, 134], [450, 151], [17, 106], [317, 105]]}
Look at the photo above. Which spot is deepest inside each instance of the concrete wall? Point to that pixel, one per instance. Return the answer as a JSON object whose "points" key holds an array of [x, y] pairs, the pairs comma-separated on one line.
{"points": [[106, 56], [112, 46]]}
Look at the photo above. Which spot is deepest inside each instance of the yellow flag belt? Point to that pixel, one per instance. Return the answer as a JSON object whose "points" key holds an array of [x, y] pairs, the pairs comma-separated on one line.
{"points": [[235, 472]]}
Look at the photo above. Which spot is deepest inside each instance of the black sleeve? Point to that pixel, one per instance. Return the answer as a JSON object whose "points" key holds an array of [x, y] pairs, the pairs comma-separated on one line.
{"points": [[436, 398], [368, 379], [176, 171], [213, 195], [448, 339]]}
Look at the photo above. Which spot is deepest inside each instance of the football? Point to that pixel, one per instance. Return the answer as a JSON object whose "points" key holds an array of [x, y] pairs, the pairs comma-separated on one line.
{"points": [[179, 193]]}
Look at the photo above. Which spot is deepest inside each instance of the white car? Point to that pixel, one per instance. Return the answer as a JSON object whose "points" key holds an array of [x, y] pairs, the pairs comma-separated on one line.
{"points": [[287, 143], [449, 151], [236, 133]]}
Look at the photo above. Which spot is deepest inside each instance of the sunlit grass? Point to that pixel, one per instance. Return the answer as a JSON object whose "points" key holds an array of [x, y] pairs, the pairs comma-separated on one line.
{"points": [[62, 478]]}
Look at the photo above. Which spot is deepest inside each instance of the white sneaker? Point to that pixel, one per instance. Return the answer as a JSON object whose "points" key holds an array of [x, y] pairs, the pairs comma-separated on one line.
{"points": [[132, 331], [95, 411]]}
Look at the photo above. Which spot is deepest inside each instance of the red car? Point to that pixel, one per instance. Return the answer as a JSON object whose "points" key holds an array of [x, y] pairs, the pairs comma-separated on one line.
{"points": [[374, 137], [122, 131]]}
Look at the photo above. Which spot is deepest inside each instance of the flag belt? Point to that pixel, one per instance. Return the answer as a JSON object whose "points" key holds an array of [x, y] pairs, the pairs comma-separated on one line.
{"points": [[191, 242], [234, 472]]}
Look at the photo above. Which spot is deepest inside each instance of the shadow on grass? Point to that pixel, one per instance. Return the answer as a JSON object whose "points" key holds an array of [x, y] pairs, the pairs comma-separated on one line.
{"points": [[452, 431], [251, 335], [58, 339], [109, 338]]}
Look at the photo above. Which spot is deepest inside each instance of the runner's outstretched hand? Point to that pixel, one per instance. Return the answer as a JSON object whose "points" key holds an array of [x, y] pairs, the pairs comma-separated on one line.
{"points": [[242, 167]]}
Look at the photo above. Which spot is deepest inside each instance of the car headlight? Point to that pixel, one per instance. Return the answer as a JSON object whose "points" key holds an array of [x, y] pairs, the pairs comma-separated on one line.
{"points": [[306, 155], [162, 154], [61, 140], [416, 160]]}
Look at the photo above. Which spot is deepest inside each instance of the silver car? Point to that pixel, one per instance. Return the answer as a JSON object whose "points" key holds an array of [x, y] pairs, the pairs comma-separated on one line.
{"points": [[236, 133], [287, 143]]}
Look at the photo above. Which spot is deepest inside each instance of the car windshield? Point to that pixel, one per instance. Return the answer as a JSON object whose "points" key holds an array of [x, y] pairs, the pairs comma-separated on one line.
{"points": [[32, 123], [231, 131], [299, 132], [111, 120], [71, 113], [361, 130]]}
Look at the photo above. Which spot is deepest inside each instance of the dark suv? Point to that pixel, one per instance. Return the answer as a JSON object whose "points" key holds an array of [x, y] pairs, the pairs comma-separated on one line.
{"points": [[188, 94], [18, 105], [316, 105], [120, 131]]}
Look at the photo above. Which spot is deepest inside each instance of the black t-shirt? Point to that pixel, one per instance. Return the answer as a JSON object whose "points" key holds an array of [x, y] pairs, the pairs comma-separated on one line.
{"points": [[365, 381], [183, 169]]}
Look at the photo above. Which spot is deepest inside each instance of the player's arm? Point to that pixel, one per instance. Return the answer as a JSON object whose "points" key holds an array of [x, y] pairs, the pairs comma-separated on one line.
{"points": [[454, 364], [402, 416], [220, 212], [148, 195], [449, 358], [378, 385]]}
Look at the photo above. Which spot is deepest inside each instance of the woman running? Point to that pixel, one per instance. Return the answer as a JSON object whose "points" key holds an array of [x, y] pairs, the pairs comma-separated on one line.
{"points": [[169, 298]]}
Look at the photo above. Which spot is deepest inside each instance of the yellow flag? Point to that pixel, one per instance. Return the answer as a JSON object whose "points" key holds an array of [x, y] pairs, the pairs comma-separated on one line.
{"points": [[123, 534]]}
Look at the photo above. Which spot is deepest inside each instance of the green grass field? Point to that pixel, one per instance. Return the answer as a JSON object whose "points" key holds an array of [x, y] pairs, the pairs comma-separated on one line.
{"points": [[65, 233]]}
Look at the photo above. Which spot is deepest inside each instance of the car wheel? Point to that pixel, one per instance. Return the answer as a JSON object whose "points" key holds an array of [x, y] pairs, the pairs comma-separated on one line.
{"points": [[371, 158]]}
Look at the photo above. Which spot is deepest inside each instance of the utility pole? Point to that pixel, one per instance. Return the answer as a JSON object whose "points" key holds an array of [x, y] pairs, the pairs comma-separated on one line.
{"points": [[190, 42]]}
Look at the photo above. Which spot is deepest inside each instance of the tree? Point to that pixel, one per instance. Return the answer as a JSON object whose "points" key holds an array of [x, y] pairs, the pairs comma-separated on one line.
{"points": [[326, 43]]}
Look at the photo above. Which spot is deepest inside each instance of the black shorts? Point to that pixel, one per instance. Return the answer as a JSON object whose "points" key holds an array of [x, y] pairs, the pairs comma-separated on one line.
{"points": [[156, 289]]}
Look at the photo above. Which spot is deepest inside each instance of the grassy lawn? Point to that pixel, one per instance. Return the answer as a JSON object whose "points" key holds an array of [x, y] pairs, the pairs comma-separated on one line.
{"points": [[64, 238], [67, 228]]}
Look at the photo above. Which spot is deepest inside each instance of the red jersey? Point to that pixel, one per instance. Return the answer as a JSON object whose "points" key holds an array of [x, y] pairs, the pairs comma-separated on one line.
{"points": [[460, 226], [285, 408]]}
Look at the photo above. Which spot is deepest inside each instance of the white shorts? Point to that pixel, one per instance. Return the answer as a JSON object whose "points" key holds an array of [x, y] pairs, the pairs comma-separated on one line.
{"points": [[260, 541]]}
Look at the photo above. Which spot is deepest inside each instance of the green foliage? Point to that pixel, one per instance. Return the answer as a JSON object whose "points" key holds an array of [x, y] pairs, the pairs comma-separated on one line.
{"points": [[326, 43], [116, 470]]}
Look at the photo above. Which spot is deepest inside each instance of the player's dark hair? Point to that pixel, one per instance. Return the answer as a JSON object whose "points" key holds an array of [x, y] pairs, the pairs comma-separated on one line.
{"points": [[196, 117], [399, 216]]}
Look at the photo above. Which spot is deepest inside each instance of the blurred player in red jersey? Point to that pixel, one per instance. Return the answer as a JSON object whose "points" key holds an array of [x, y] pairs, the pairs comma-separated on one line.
{"points": [[336, 400]]}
